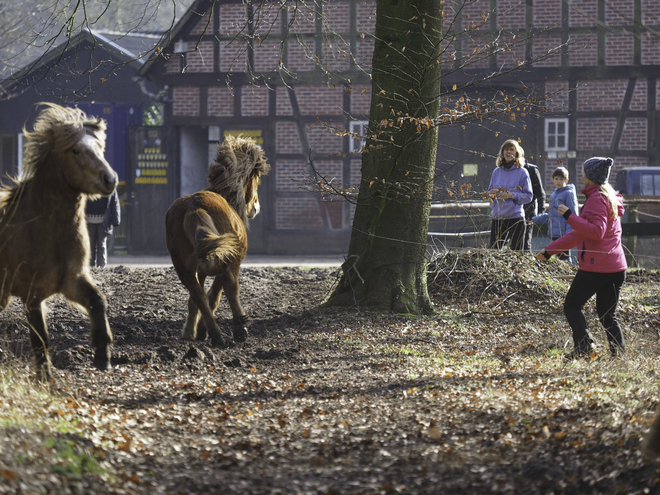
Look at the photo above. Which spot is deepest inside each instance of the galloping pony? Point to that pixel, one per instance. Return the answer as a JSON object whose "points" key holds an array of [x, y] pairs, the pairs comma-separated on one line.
{"points": [[206, 236], [44, 244]]}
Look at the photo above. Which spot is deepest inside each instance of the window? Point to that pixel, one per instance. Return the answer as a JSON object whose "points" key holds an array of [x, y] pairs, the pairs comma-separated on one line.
{"points": [[357, 140], [556, 134], [650, 185]]}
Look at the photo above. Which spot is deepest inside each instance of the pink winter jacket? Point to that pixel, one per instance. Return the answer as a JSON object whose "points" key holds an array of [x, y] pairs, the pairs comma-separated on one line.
{"points": [[596, 234]]}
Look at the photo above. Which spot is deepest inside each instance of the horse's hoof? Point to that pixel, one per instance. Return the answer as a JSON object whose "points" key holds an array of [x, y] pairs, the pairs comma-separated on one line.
{"points": [[220, 343], [241, 328], [240, 334], [101, 359]]}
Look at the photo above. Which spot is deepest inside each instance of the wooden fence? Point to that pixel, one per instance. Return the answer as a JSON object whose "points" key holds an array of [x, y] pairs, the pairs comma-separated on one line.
{"points": [[467, 223]]}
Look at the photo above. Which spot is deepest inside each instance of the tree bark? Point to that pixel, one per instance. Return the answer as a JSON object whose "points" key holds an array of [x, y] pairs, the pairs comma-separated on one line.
{"points": [[387, 259]]}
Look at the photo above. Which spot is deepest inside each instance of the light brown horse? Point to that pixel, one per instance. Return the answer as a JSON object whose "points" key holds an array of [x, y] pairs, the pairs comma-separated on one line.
{"points": [[44, 244], [206, 236]]}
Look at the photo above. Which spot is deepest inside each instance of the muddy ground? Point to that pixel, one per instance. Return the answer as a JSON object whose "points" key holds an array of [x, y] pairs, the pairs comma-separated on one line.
{"points": [[330, 401]]}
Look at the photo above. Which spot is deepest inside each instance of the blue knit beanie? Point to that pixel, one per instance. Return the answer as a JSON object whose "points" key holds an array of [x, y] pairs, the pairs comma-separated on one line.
{"points": [[597, 169]]}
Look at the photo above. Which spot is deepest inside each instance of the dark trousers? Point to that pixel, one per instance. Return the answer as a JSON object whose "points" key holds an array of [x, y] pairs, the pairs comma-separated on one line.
{"points": [[97, 238], [607, 287], [527, 240], [508, 228]]}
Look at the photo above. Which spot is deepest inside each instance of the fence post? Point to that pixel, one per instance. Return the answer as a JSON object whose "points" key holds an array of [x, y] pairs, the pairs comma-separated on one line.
{"points": [[631, 243]]}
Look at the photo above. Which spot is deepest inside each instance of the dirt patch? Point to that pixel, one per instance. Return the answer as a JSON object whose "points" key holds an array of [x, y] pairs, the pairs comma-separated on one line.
{"points": [[342, 401]]}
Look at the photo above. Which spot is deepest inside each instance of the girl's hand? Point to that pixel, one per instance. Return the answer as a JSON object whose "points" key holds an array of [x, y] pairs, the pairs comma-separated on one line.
{"points": [[502, 194], [562, 209], [541, 256]]}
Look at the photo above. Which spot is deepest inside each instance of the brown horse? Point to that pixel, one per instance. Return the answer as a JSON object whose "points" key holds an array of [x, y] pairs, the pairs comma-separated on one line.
{"points": [[44, 244], [206, 236]]}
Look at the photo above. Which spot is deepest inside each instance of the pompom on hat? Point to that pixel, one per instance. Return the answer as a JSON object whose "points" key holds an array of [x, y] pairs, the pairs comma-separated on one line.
{"points": [[597, 169]]}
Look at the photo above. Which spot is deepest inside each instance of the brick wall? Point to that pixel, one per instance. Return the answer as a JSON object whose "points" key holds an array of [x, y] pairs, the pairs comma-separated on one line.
{"points": [[173, 65], [302, 57], [583, 49], [511, 52], [510, 14], [297, 214], [366, 16], [303, 19], [267, 19], [203, 26], [634, 134], [475, 51], [320, 100], [545, 50], [286, 138], [364, 52], [640, 99], [336, 55], [337, 15], [283, 101], [254, 101], [356, 174], [201, 58], [232, 18], [233, 56], [547, 13], [620, 12], [324, 141], [220, 101], [596, 133], [291, 174], [650, 49], [557, 96], [360, 100], [473, 12], [601, 95], [186, 101], [619, 48], [583, 13], [650, 11], [267, 55]]}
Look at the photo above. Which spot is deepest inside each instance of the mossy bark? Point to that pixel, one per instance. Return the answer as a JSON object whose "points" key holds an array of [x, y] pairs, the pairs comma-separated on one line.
{"points": [[386, 264]]}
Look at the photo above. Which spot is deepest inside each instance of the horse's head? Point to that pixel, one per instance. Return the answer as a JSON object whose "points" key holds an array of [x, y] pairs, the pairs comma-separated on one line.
{"points": [[260, 168], [69, 145], [87, 170], [236, 174]]}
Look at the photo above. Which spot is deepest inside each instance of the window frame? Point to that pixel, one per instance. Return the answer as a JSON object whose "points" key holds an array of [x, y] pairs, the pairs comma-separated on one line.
{"points": [[546, 133], [355, 145]]}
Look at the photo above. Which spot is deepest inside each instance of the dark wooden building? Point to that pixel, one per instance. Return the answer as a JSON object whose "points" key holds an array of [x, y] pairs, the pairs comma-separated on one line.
{"points": [[95, 71]]}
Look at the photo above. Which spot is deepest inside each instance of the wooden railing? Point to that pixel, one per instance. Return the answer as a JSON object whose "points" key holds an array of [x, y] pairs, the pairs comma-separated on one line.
{"points": [[462, 220]]}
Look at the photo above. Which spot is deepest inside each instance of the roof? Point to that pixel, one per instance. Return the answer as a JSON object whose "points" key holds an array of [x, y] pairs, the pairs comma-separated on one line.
{"points": [[197, 9], [130, 48]]}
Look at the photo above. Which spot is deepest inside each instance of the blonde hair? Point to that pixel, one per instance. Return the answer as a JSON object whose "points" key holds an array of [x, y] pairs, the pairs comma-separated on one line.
{"points": [[609, 192], [520, 153]]}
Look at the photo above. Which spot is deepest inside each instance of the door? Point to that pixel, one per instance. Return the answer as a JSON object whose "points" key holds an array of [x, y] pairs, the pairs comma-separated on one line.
{"points": [[151, 186]]}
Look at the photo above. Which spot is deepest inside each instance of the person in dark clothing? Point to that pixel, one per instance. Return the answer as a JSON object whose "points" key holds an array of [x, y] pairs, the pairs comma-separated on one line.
{"points": [[102, 215], [534, 207]]}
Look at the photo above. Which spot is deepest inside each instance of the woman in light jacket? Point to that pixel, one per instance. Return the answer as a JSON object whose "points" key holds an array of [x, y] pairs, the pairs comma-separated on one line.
{"points": [[602, 262], [509, 190]]}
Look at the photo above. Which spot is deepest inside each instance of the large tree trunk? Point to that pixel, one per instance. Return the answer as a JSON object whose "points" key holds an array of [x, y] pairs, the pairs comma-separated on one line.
{"points": [[386, 264]]}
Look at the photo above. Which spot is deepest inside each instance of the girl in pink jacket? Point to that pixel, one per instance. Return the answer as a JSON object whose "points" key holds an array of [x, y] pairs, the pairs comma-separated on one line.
{"points": [[602, 262]]}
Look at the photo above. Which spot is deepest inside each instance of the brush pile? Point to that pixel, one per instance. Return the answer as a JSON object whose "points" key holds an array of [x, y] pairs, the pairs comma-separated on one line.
{"points": [[478, 274]]}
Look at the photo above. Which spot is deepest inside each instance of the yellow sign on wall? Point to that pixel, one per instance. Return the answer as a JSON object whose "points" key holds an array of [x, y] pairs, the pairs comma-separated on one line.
{"points": [[255, 134]]}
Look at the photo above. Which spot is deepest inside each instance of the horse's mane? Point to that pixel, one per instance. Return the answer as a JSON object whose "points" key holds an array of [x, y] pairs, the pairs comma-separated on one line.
{"points": [[58, 129], [238, 159]]}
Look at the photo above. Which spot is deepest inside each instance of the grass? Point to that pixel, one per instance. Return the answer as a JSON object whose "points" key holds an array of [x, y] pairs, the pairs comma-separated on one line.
{"points": [[41, 437]]}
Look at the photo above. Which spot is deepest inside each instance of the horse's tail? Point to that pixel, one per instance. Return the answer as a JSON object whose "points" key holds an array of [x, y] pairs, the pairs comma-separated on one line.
{"points": [[208, 242]]}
